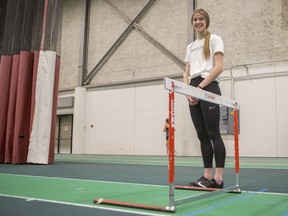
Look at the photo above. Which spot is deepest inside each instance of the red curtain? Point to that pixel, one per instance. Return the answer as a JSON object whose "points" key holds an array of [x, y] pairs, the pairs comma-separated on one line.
{"points": [[27, 28]]}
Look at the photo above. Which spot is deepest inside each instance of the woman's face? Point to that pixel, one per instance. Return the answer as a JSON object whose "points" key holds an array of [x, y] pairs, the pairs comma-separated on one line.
{"points": [[199, 23]]}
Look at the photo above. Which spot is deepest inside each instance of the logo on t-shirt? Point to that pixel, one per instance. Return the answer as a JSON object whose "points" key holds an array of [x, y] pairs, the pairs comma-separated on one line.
{"points": [[196, 49]]}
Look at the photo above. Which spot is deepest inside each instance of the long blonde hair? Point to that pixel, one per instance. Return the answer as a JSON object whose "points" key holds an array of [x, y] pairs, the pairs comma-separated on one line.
{"points": [[206, 49]]}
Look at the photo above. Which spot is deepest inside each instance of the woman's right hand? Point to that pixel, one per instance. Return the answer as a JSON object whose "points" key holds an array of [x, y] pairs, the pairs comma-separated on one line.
{"points": [[192, 101]]}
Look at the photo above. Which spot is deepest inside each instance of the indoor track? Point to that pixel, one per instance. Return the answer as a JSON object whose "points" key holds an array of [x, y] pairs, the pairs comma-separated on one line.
{"points": [[69, 186]]}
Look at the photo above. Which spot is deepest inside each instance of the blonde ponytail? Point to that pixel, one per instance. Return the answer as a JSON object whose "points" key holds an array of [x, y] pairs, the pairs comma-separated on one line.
{"points": [[206, 48]]}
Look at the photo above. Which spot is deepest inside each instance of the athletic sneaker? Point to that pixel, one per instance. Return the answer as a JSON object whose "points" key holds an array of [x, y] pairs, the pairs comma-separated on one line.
{"points": [[196, 184], [211, 184]]}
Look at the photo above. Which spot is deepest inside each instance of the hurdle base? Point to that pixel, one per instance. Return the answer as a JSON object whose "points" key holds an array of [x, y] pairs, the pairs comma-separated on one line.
{"points": [[135, 205], [206, 195], [185, 187], [238, 191]]}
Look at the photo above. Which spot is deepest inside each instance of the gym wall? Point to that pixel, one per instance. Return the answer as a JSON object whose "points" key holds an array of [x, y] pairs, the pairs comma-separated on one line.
{"points": [[126, 102]]}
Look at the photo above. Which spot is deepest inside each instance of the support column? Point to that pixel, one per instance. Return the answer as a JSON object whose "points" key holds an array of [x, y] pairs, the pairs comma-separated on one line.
{"points": [[79, 121]]}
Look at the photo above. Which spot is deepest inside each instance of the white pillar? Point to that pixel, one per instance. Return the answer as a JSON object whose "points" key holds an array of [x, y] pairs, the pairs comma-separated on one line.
{"points": [[79, 121]]}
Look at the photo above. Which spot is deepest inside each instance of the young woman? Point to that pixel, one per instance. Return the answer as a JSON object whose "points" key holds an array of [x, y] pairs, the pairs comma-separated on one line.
{"points": [[204, 63], [166, 130]]}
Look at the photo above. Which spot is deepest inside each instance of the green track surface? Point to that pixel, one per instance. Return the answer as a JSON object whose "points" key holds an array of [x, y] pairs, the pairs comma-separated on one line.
{"points": [[260, 163], [83, 192]]}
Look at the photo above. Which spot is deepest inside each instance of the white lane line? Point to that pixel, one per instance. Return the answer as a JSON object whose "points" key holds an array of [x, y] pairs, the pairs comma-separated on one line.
{"points": [[79, 205], [85, 180]]}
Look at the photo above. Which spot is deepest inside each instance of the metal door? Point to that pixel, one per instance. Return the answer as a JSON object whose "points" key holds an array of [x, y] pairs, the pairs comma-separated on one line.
{"points": [[64, 131]]}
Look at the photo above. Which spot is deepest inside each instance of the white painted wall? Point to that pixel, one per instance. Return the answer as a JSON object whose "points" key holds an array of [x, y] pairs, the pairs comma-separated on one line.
{"points": [[129, 119], [263, 110], [79, 121]]}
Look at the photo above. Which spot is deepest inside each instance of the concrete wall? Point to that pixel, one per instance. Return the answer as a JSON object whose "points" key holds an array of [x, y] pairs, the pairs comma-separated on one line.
{"points": [[128, 119], [136, 57], [70, 43], [252, 31]]}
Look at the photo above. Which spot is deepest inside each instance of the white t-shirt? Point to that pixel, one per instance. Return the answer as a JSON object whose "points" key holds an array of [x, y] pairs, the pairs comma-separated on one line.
{"points": [[195, 56]]}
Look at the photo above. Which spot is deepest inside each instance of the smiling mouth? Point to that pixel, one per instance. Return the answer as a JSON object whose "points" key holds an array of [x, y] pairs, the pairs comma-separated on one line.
{"points": [[198, 26]]}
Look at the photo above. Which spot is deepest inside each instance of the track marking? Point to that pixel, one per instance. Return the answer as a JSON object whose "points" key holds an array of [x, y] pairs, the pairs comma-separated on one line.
{"points": [[85, 180], [268, 193], [29, 199], [124, 183], [232, 200]]}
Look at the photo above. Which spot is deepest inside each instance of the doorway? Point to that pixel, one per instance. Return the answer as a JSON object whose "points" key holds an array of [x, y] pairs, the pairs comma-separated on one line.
{"points": [[63, 135]]}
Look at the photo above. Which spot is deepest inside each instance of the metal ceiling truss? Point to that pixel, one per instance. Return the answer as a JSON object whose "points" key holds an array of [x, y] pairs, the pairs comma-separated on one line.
{"points": [[134, 24], [152, 40]]}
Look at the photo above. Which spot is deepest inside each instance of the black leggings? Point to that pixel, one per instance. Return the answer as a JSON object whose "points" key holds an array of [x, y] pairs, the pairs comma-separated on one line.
{"points": [[206, 117]]}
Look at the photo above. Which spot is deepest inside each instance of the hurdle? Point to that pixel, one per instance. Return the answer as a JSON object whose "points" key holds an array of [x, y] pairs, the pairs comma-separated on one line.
{"points": [[175, 86]]}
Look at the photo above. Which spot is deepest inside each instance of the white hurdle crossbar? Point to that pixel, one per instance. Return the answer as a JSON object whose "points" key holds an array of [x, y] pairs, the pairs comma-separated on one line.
{"points": [[185, 89], [188, 90]]}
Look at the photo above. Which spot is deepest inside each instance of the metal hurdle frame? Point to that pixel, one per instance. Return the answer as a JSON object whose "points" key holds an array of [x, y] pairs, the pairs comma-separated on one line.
{"points": [[174, 86]]}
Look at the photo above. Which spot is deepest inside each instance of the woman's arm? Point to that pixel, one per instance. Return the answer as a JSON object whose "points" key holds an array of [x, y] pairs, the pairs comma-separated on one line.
{"points": [[191, 100], [186, 74], [216, 71]]}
